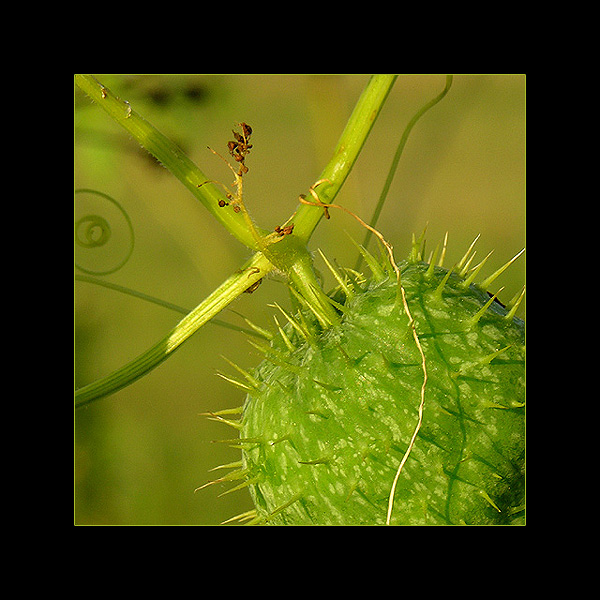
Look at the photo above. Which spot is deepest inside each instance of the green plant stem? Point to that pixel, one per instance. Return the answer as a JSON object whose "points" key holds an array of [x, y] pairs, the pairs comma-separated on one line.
{"points": [[346, 152], [152, 299], [170, 155], [256, 268], [292, 255]]}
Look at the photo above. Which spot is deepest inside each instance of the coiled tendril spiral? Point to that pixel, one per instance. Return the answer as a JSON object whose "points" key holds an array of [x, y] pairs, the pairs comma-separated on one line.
{"points": [[93, 231]]}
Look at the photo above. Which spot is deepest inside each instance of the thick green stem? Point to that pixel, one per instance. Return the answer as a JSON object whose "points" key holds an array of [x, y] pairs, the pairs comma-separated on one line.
{"points": [[292, 256], [256, 268], [172, 157], [346, 152]]}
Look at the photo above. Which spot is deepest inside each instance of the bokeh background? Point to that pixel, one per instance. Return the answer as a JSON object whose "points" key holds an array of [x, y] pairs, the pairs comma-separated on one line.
{"points": [[140, 453]]}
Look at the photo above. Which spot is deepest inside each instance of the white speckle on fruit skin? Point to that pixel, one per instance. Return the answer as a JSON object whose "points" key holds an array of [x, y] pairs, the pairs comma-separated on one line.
{"points": [[516, 437], [437, 313], [490, 427], [385, 310], [338, 487], [472, 338], [492, 332]]}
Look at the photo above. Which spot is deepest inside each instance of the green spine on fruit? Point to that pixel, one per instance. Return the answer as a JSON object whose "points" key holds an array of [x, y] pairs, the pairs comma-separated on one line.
{"points": [[329, 414]]}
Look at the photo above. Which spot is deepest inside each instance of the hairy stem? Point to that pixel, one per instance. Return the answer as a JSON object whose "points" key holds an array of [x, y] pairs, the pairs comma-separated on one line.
{"points": [[170, 155]]}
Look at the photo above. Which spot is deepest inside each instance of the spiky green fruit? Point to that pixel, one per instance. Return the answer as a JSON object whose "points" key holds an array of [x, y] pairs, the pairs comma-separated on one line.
{"points": [[330, 415]]}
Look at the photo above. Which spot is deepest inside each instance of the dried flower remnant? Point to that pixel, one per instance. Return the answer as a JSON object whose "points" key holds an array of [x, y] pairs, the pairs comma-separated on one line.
{"points": [[241, 146]]}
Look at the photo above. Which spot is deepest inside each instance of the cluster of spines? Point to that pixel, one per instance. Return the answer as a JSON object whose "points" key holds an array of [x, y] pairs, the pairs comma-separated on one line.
{"points": [[463, 269], [468, 274], [239, 473], [347, 282]]}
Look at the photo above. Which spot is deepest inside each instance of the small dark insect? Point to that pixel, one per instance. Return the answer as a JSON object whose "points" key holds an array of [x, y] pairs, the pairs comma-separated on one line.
{"points": [[253, 287]]}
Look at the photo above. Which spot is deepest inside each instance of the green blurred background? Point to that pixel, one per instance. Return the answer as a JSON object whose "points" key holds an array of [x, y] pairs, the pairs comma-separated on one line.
{"points": [[140, 453]]}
